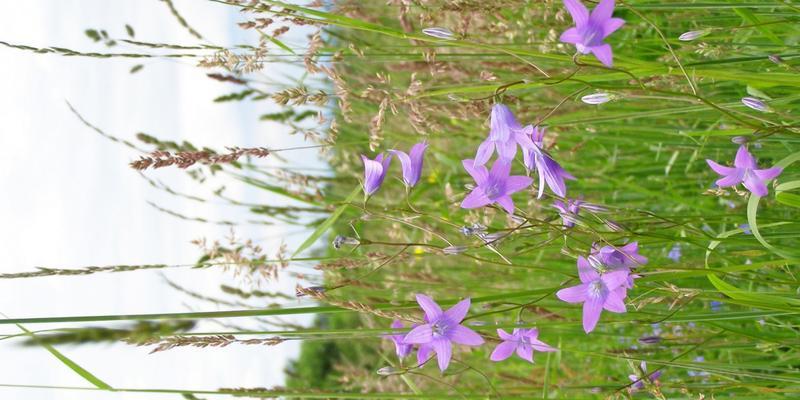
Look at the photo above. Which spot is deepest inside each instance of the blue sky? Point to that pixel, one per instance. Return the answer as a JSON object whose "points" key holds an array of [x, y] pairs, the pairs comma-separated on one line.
{"points": [[69, 198]]}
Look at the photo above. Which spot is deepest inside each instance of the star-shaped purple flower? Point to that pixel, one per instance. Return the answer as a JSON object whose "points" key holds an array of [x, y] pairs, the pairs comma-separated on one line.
{"points": [[411, 163], [521, 341], [442, 328], [374, 172], [596, 292], [401, 347], [495, 186], [569, 211], [550, 172], [504, 136], [744, 171], [589, 31]]}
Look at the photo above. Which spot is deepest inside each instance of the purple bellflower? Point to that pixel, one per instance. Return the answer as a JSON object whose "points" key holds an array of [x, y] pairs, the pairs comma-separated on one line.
{"points": [[411, 163], [401, 348], [744, 171], [550, 172], [675, 253], [495, 186], [374, 172], [504, 135], [638, 383], [626, 256], [521, 341], [441, 329], [569, 211], [590, 29], [596, 292]]}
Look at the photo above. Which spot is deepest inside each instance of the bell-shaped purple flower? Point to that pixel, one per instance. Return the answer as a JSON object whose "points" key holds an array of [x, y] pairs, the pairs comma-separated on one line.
{"points": [[744, 171], [520, 341], [638, 383], [374, 172], [550, 172], [402, 348], [411, 163], [597, 292], [495, 186], [591, 29], [441, 329], [568, 211], [504, 136], [626, 256]]}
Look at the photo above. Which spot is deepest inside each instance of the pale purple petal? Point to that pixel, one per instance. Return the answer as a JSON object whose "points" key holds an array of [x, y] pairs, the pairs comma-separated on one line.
{"points": [[477, 171], [419, 335], [397, 324], [755, 185], [744, 159], [516, 183], [484, 153], [585, 270], [432, 310], [574, 294], [503, 351], [579, 13], [444, 351], [720, 169], [603, 11], [405, 163], [729, 180], [506, 151], [571, 36], [768, 174], [538, 345], [615, 279], [505, 335], [525, 352], [476, 198], [614, 302], [592, 308], [506, 202], [423, 353], [612, 24], [373, 175], [458, 311], [604, 54], [463, 335]]}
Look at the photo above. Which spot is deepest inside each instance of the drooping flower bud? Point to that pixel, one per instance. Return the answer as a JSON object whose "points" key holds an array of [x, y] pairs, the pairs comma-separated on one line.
{"points": [[692, 35], [439, 33], [596, 98], [755, 104]]}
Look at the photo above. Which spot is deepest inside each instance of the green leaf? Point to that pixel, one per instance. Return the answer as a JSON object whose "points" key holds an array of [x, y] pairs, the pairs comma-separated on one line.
{"points": [[276, 42], [789, 199], [92, 34], [136, 68], [129, 30], [69, 363], [328, 222], [749, 18]]}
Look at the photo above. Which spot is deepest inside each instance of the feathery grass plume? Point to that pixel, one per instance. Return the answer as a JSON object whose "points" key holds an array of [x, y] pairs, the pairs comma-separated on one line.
{"points": [[171, 342], [137, 333], [185, 159]]}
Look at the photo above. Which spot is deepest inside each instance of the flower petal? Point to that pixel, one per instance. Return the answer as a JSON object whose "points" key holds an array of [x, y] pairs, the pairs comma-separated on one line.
{"points": [[432, 310], [744, 159], [603, 54], [720, 169], [614, 302], [574, 294], [423, 353], [444, 351], [755, 185], [373, 175], [603, 11], [484, 153], [592, 308], [505, 335], [457, 313], [506, 202], [516, 183], [578, 12], [729, 180], [477, 198], [585, 270], [570, 36], [477, 171], [615, 279], [419, 335], [525, 352], [503, 351], [768, 174], [612, 24], [539, 345], [463, 335], [405, 163]]}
